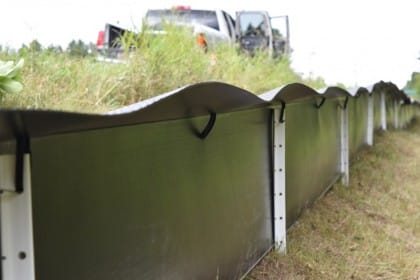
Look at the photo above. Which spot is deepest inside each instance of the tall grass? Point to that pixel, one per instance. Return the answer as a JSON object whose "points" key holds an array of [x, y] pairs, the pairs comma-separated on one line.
{"points": [[368, 230], [157, 65]]}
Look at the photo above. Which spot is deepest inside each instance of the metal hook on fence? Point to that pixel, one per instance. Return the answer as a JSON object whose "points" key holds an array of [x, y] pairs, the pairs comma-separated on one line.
{"points": [[282, 111], [206, 131], [321, 103], [346, 101], [357, 95], [21, 147]]}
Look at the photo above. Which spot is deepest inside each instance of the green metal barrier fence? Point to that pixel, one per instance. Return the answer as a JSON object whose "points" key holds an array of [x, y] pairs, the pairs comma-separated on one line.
{"points": [[198, 183]]}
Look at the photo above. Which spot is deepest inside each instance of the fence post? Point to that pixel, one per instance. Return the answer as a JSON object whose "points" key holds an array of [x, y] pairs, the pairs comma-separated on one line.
{"points": [[344, 139], [279, 195], [370, 120], [17, 253], [383, 111]]}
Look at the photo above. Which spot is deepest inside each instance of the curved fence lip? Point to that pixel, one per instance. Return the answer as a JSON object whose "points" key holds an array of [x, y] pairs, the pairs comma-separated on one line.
{"points": [[198, 99], [190, 101], [297, 92], [289, 93], [357, 90], [391, 89], [193, 100], [333, 91], [35, 123]]}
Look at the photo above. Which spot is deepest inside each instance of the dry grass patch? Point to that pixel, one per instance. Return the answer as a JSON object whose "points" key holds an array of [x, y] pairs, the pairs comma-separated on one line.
{"points": [[368, 230]]}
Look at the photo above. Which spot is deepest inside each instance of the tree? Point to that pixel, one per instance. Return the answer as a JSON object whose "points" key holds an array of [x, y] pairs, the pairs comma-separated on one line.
{"points": [[23, 51], [414, 84], [54, 49], [35, 46], [78, 48]]}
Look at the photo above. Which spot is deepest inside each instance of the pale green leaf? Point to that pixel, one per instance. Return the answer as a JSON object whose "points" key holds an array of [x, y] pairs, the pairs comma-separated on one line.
{"points": [[10, 86], [16, 69], [5, 68]]}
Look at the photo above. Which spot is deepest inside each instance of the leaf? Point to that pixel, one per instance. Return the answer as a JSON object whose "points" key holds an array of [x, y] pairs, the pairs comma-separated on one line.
{"points": [[5, 68], [8, 70], [10, 86], [16, 70]]}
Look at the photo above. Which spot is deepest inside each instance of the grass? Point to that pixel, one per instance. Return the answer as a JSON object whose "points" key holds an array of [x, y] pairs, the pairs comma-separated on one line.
{"points": [[62, 82], [368, 230]]}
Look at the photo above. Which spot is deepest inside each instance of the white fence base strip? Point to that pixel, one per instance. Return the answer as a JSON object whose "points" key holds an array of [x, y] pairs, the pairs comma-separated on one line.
{"points": [[279, 198], [344, 146], [17, 252]]}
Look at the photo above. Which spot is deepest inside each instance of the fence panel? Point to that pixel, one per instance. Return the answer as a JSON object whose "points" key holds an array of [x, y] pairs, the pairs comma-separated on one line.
{"points": [[358, 122], [377, 110], [312, 153], [154, 201]]}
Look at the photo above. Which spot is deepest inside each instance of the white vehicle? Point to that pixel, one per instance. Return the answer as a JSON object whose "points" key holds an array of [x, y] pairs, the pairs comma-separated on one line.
{"points": [[216, 25], [251, 30]]}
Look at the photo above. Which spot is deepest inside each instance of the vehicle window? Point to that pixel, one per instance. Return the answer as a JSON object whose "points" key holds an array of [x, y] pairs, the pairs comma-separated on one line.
{"points": [[252, 24], [155, 18], [279, 26]]}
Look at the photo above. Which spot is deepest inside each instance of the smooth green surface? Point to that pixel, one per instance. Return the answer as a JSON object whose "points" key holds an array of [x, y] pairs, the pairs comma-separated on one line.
{"points": [[357, 123], [312, 153], [153, 201], [390, 111], [377, 109]]}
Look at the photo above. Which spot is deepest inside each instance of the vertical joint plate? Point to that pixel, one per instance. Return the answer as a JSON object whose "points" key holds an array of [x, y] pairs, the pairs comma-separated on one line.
{"points": [[279, 196], [17, 252]]}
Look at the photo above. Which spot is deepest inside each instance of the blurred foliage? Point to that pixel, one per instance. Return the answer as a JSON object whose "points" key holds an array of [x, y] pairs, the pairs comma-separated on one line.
{"points": [[414, 84], [35, 46], [9, 77], [78, 48], [54, 49]]}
